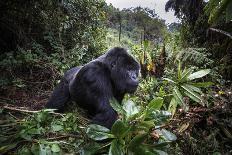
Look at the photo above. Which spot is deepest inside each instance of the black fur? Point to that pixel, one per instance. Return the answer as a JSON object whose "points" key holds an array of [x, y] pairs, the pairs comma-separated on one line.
{"points": [[93, 85]]}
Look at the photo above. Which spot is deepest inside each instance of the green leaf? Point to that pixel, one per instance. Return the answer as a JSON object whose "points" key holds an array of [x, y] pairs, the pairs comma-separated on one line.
{"points": [[155, 104], [5, 148], [55, 148], [147, 124], [130, 108], [185, 74], [179, 70], [202, 84], [169, 80], [35, 149], [56, 127], [190, 93], [137, 141], [160, 152], [168, 135], [99, 128], [193, 88], [90, 149], [42, 150], [119, 129], [117, 107], [116, 148], [97, 132], [199, 74], [172, 106], [160, 116], [24, 151], [178, 96]]}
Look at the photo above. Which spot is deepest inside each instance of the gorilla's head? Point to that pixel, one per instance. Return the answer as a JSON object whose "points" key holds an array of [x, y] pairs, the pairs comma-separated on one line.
{"points": [[124, 70]]}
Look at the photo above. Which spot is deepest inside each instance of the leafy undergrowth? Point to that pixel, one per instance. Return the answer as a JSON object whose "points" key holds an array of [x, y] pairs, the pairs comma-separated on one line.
{"points": [[204, 130], [140, 130]]}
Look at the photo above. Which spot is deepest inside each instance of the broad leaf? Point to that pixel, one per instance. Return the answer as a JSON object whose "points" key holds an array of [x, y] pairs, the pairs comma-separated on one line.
{"points": [[120, 129], [199, 74], [172, 106], [116, 148], [130, 108], [117, 107], [55, 148], [193, 88], [137, 141], [190, 93], [168, 135], [90, 149], [178, 96], [185, 74], [160, 116], [155, 104], [98, 132]]}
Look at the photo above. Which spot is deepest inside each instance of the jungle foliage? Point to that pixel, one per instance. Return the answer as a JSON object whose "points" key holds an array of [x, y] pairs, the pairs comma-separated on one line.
{"points": [[183, 102]]}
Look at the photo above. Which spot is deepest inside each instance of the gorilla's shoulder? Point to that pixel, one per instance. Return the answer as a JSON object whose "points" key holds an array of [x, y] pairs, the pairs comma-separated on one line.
{"points": [[94, 71], [71, 73]]}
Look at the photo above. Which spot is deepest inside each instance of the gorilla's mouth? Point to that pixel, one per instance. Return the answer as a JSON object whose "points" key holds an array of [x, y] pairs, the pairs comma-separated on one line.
{"points": [[132, 88]]}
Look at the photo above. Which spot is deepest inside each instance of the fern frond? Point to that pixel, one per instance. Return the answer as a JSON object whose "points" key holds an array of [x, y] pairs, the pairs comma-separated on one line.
{"points": [[195, 56]]}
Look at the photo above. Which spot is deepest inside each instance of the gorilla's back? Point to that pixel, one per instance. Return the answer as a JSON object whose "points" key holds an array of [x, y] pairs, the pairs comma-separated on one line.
{"points": [[70, 74]]}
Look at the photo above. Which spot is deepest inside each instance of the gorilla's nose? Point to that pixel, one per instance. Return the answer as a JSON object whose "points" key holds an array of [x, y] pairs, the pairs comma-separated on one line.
{"points": [[134, 77]]}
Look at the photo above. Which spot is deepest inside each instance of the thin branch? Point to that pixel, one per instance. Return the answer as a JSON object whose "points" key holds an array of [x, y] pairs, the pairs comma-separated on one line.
{"points": [[26, 111], [222, 32], [64, 136]]}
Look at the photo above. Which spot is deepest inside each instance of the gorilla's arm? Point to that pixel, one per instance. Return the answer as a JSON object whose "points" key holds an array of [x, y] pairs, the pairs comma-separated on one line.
{"points": [[60, 96], [106, 116], [94, 89]]}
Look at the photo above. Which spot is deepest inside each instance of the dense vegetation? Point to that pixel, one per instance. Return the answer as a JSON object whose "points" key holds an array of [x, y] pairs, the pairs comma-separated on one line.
{"points": [[183, 103]]}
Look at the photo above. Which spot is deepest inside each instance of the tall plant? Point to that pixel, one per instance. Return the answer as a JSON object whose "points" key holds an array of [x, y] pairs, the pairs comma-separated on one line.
{"points": [[184, 85], [135, 133]]}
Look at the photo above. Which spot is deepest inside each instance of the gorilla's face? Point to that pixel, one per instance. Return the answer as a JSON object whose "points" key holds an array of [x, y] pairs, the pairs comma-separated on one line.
{"points": [[124, 74]]}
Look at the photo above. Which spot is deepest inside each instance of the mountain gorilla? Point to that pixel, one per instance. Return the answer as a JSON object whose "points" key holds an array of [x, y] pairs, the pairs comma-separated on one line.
{"points": [[93, 85]]}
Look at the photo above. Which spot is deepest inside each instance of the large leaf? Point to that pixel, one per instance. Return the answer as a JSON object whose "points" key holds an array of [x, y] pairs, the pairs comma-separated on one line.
{"points": [[160, 116], [168, 135], [199, 74], [90, 149], [119, 129], [190, 92], [137, 141], [178, 96], [192, 87], [185, 74], [55, 148], [155, 104], [116, 148], [98, 132], [117, 107], [130, 108], [172, 106]]}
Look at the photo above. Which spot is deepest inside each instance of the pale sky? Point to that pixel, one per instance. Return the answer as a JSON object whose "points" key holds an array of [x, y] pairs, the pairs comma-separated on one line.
{"points": [[158, 5]]}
